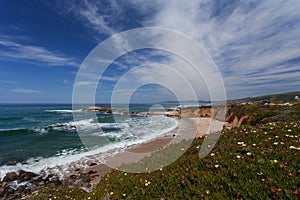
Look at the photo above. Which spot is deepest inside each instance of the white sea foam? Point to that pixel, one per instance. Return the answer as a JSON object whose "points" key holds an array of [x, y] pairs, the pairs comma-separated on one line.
{"points": [[64, 111], [132, 132], [11, 129]]}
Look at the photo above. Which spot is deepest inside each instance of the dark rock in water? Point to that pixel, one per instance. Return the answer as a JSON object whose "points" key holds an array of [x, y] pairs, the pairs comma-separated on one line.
{"points": [[73, 176], [8, 190], [21, 188], [56, 181], [92, 172], [2, 191], [11, 176], [95, 176], [92, 164], [85, 178], [25, 176]]}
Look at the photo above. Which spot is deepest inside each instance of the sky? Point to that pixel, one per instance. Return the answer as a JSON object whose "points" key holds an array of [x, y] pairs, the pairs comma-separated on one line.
{"points": [[255, 46]]}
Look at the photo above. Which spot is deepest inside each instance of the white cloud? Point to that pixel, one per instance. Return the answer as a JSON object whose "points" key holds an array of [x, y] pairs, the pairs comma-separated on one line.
{"points": [[250, 41], [244, 37], [109, 78], [25, 91], [8, 82], [86, 83], [13, 50], [91, 13], [94, 14]]}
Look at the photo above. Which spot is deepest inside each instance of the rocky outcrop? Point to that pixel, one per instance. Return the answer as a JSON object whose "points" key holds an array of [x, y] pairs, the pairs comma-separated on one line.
{"points": [[219, 113], [98, 108], [215, 112], [9, 189], [11, 176], [236, 122], [173, 113], [18, 185]]}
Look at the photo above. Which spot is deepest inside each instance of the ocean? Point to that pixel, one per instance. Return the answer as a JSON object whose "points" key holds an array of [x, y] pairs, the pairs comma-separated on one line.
{"points": [[36, 137]]}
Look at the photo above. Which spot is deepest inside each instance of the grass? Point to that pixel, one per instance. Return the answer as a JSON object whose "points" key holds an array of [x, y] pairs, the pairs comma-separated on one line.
{"points": [[250, 162], [261, 114]]}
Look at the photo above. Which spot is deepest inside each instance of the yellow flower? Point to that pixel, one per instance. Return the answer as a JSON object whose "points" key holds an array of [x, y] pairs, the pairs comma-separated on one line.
{"points": [[212, 154], [147, 183], [216, 166], [124, 195], [238, 156], [248, 153], [259, 173], [275, 161], [292, 147], [254, 144], [111, 193]]}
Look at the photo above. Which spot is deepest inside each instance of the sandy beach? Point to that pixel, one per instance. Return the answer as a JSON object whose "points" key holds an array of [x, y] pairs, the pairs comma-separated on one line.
{"points": [[128, 160], [188, 128]]}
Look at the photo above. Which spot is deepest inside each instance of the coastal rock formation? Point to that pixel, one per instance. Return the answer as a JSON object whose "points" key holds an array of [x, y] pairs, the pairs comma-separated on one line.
{"points": [[98, 108], [215, 112], [17, 185], [11, 176], [173, 113], [236, 122]]}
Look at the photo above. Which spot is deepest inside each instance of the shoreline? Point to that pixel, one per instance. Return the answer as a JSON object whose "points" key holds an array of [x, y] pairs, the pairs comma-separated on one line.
{"points": [[88, 177], [188, 128]]}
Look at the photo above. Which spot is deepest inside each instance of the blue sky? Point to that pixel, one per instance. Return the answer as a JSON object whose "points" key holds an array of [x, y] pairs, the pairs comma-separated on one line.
{"points": [[254, 44]]}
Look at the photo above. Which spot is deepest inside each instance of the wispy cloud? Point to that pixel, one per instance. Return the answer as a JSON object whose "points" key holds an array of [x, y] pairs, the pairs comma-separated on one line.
{"points": [[25, 91], [8, 82], [97, 15], [86, 83], [252, 42], [243, 37], [13, 50]]}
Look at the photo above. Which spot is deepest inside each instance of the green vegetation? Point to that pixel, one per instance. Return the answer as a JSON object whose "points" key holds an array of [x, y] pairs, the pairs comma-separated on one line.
{"points": [[260, 114], [250, 162]]}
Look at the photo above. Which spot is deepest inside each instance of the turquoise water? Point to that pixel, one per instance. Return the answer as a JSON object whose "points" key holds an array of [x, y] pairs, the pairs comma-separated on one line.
{"points": [[35, 136]]}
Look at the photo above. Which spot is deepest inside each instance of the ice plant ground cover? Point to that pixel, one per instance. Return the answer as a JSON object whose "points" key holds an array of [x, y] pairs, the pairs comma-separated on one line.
{"points": [[259, 161]]}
